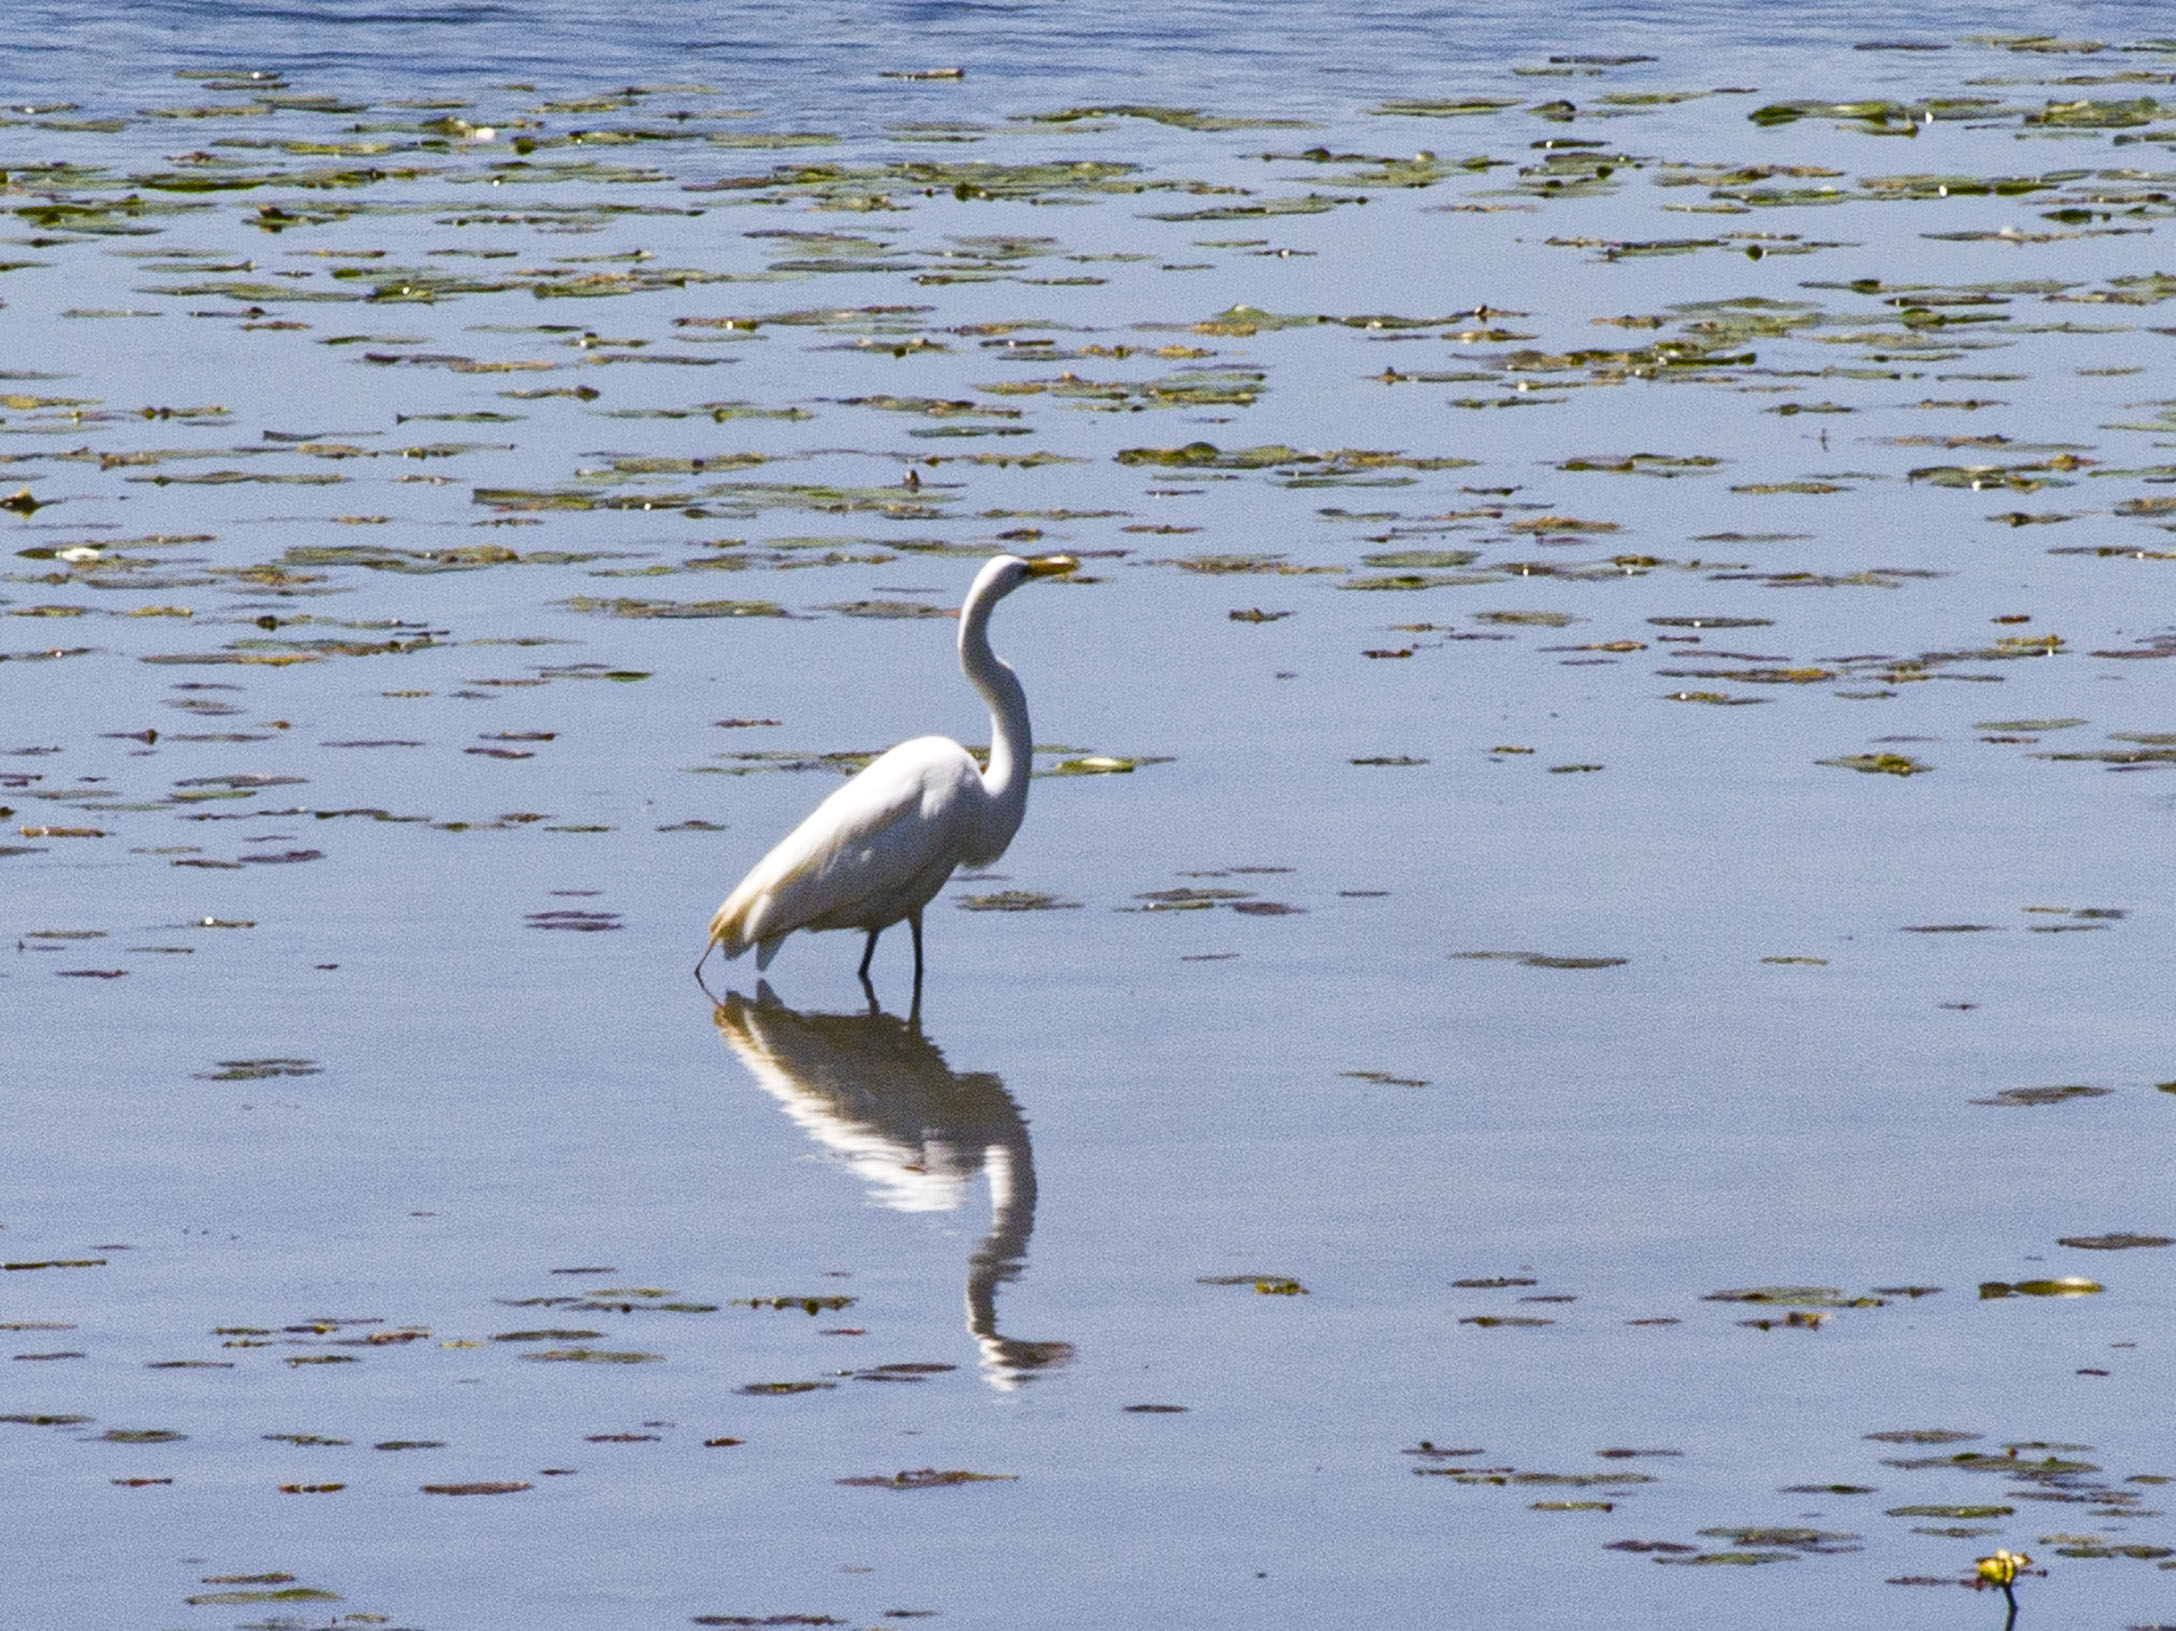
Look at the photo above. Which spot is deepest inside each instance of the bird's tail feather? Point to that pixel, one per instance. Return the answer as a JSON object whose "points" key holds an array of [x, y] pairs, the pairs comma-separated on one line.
{"points": [[729, 929]]}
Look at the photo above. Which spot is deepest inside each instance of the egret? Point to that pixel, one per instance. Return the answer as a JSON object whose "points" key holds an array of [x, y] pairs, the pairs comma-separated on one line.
{"points": [[880, 848]]}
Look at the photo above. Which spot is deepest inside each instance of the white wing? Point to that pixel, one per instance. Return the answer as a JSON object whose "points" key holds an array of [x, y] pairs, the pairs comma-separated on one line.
{"points": [[875, 851]]}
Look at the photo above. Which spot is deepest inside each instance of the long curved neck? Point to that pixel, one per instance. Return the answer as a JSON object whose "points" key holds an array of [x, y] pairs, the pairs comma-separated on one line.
{"points": [[1011, 741]]}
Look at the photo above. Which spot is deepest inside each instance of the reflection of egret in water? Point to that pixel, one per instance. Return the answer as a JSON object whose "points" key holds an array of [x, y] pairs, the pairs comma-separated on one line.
{"points": [[874, 1089]]}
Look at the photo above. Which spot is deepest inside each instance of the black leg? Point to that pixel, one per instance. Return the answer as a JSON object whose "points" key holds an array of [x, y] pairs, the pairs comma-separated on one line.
{"points": [[868, 952], [914, 924]]}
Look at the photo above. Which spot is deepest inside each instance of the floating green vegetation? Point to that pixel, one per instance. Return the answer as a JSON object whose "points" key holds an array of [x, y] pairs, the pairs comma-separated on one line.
{"points": [[1529, 619], [1259, 208], [1337, 466], [1423, 169], [1555, 525], [1754, 676], [1186, 899], [1922, 1435], [498, 1486], [1395, 581], [1644, 464], [1189, 388], [2114, 1242], [458, 558], [931, 407], [1738, 1559], [1980, 478], [736, 500], [1266, 1285], [1016, 900], [2115, 758], [874, 188], [574, 921], [1431, 559], [252, 1070], [1512, 1478], [759, 761], [627, 607], [717, 412], [639, 1299], [1814, 488], [929, 1478], [2033, 1096], [1176, 118], [1102, 764], [1229, 565], [56, 1263], [2069, 1285], [1876, 116], [1793, 1297], [1537, 959], [896, 610], [1442, 108], [1879, 764], [1243, 322], [2015, 1461], [1818, 1541], [1573, 172], [228, 478]]}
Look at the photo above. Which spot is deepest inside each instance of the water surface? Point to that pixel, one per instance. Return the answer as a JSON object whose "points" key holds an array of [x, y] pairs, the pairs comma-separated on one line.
{"points": [[1622, 551]]}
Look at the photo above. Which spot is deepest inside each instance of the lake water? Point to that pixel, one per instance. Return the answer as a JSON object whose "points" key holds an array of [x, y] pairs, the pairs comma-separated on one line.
{"points": [[1579, 1023]]}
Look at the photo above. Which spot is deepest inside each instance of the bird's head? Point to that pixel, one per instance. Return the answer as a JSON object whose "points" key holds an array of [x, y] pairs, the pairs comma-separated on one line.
{"points": [[1003, 574]]}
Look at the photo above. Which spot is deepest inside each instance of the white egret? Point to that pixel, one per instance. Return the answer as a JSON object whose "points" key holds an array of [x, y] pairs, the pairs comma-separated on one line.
{"points": [[880, 848]]}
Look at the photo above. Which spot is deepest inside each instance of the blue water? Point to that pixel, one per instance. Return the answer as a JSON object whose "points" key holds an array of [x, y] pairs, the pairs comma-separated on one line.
{"points": [[1561, 994], [822, 60]]}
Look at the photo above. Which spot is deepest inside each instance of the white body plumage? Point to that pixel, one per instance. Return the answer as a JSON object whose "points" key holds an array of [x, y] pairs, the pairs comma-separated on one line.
{"points": [[877, 851]]}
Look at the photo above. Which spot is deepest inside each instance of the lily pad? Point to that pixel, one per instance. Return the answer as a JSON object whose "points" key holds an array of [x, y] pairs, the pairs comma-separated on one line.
{"points": [[1016, 900], [930, 1478], [510, 1486], [2028, 1096], [2114, 1243], [1536, 959], [1880, 764], [2067, 1286]]}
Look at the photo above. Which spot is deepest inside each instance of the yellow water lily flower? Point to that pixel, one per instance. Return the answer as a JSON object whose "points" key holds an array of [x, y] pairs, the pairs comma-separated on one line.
{"points": [[2002, 1569]]}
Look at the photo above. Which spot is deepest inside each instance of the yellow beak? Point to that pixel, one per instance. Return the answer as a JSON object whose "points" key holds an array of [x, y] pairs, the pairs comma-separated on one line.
{"points": [[1051, 566]]}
